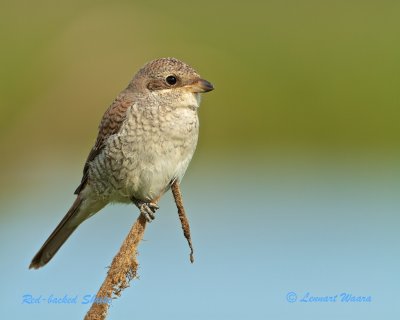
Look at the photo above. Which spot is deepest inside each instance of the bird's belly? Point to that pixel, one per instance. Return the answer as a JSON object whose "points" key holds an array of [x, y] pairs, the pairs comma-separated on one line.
{"points": [[141, 160], [156, 166]]}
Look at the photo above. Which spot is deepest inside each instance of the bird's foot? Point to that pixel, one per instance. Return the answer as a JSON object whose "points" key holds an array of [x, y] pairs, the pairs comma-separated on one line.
{"points": [[147, 209]]}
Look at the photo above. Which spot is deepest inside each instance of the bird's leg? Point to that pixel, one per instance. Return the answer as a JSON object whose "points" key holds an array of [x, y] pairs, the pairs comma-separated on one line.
{"points": [[147, 209]]}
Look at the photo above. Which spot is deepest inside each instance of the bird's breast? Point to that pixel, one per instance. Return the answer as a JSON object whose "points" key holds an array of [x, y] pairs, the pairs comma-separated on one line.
{"points": [[153, 147]]}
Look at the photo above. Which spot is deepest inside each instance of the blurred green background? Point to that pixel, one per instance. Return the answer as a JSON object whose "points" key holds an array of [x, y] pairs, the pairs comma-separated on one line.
{"points": [[300, 140]]}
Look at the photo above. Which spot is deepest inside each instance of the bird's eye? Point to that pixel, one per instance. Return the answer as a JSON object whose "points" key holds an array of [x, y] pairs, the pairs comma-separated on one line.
{"points": [[171, 80]]}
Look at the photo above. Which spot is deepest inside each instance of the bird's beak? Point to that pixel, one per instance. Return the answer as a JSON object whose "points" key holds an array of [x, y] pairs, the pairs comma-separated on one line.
{"points": [[200, 86]]}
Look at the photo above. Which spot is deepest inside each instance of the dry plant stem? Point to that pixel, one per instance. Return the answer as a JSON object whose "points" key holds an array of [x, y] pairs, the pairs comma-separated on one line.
{"points": [[123, 269], [124, 265], [182, 216]]}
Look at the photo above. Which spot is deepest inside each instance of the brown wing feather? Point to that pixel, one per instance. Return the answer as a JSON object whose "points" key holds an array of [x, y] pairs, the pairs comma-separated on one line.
{"points": [[109, 125]]}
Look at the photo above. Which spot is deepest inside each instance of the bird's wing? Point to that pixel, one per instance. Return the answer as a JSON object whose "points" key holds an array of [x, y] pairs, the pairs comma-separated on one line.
{"points": [[109, 125]]}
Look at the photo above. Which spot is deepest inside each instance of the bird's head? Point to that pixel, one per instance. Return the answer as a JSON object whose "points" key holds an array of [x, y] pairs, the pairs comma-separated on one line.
{"points": [[172, 80]]}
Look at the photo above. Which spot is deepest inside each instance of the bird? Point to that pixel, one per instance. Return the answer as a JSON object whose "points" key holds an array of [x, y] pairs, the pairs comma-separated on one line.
{"points": [[146, 140]]}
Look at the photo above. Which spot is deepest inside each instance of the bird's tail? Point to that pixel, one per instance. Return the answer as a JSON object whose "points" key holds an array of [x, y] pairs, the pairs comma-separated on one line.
{"points": [[68, 224]]}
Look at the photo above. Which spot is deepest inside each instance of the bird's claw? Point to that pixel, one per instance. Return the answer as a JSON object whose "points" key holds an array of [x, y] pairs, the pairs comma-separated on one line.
{"points": [[147, 209]]}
